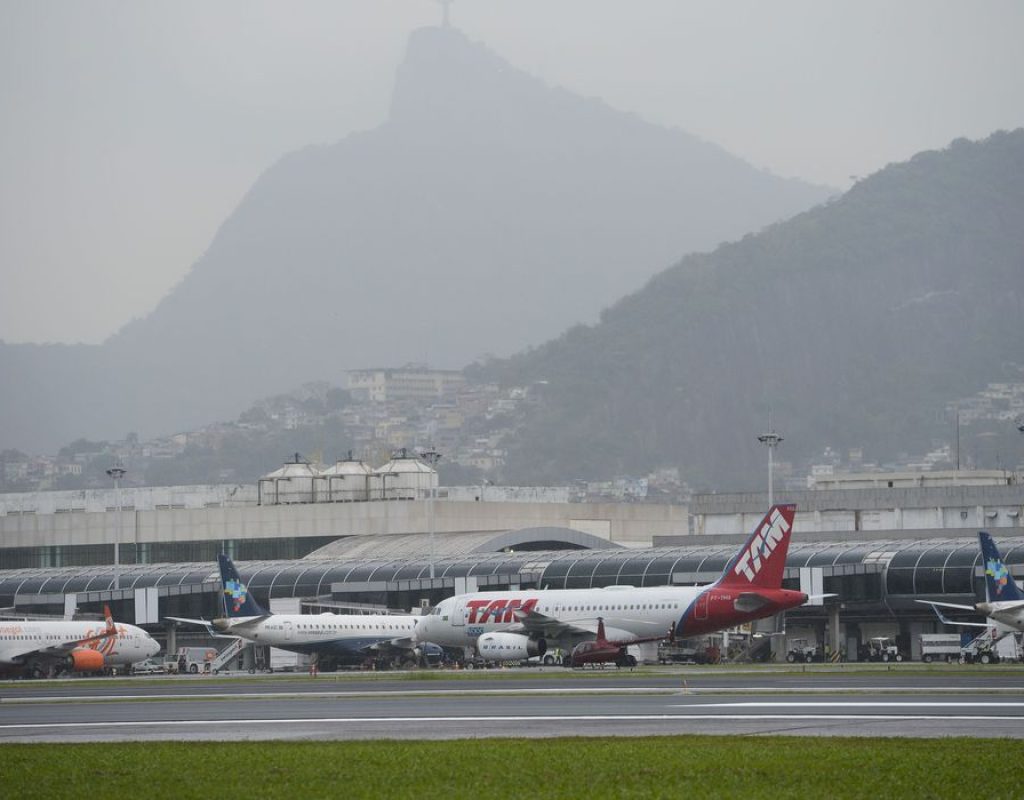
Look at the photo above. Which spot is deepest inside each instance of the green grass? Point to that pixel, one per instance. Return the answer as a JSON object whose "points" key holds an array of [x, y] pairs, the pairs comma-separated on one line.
{"points": [[669, 767]]}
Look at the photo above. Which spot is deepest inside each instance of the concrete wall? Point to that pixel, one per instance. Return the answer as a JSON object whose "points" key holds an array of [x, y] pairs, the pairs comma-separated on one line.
{"points": [[946, 508], [630, 524], [144, 498]]}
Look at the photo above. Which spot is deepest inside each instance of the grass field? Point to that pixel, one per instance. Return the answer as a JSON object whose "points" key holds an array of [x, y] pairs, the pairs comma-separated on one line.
{"points": [[668, 767]]}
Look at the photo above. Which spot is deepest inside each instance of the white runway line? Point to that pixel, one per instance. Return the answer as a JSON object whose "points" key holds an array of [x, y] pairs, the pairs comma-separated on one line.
{"points": [[858, 704]]}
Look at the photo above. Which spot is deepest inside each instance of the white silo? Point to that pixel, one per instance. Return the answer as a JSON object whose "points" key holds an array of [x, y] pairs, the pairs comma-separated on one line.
{"points": [[404, 477], [347, 481], [295, 482]]}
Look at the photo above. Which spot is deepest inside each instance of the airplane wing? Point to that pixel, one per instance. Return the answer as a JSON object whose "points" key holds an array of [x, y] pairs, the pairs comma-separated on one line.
{"points": [[401, 643], [944, 619], [203, 623], [934, 603], [668, 635], [533, 623], [389, 645], [58, 651]]}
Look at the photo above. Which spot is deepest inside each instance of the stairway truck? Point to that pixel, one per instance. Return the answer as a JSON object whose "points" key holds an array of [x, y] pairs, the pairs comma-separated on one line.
{"points": [[940, 647]]}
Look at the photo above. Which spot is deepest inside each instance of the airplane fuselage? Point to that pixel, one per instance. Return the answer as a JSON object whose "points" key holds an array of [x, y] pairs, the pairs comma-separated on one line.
{"points": [[24, 643], [334, 634], [628, 612], [1010, 613]]}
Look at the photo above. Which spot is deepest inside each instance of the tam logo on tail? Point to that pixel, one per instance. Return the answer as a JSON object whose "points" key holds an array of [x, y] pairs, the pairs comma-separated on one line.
{"points": [[762, 545]]}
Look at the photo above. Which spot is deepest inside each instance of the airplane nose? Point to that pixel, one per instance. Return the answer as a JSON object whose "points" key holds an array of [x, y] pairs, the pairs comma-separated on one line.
{"points": [[153, 647]]}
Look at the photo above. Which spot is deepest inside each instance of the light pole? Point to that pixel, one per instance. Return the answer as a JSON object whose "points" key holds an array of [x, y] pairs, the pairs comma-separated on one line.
{"points": [[117, 472], [771, 441], [431, 456]]}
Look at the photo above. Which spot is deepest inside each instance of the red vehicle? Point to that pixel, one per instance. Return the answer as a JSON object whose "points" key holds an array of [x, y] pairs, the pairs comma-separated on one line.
{"points": [[603, 651]]}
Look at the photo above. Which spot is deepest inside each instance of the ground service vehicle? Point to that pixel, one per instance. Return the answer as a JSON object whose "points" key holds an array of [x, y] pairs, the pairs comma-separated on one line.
{"points": [[940, 647], [191, 660], [802, 650], [883, 648], [151, 666], [680, 653]]}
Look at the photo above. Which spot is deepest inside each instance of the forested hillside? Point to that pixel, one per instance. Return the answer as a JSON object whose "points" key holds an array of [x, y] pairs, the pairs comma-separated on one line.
{"points": [[855, 323]]}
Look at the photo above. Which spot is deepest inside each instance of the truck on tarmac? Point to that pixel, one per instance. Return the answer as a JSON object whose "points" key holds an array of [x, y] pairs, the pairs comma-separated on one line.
{"points": [[804, 651], [883, 648], [940, 647]]}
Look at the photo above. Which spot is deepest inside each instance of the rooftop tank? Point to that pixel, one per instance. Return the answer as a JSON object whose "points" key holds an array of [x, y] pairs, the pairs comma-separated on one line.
{"points": [[295, 482], [404, 477], [347, 481]]}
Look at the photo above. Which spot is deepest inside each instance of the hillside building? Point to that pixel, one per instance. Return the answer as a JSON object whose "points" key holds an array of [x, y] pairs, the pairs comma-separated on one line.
{"points": [[383, 385]]}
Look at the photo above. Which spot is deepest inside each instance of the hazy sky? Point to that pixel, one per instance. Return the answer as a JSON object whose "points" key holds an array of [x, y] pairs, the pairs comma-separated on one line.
{"points": [[130, 129]]}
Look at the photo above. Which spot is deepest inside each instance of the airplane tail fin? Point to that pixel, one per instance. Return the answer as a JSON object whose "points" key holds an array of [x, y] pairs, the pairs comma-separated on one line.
{"points": [[999, 583], [237, 600], [761, 560]]}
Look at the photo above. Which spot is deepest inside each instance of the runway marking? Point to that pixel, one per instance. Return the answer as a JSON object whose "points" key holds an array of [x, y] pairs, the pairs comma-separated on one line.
{"points": [[685, 718], [856, 704]]}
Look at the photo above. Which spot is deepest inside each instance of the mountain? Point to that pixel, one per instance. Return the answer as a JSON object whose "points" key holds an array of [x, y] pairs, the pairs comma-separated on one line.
{"points": [[855, 324], [488, 213]]}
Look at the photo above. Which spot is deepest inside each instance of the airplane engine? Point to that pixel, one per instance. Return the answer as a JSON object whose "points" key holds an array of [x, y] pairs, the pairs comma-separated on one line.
{"points": [[509, 647], [85, 660], [429, 654]]}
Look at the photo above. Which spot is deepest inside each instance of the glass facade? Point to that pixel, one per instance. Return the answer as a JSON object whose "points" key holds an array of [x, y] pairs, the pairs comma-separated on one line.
{"points": [[864, 572]]}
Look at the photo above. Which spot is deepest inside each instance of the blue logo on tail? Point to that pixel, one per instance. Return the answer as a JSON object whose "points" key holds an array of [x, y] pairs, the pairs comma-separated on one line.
{"points": [[235, 589], [999, 573], [998, 580]]}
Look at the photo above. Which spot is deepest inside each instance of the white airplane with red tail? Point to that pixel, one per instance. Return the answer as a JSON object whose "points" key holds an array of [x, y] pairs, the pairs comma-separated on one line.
{"points": [[506, 626]]}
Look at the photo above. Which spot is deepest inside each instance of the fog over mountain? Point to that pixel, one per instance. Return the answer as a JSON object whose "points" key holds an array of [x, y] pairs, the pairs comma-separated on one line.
{"points": [[857, 324], [488, 213]]}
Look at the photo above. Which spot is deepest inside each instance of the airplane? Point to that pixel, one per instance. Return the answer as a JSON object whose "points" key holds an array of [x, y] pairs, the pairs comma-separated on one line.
{"points": [[602, 651], [522, 624], [338, 638], [46, 647], [1004, 600]]}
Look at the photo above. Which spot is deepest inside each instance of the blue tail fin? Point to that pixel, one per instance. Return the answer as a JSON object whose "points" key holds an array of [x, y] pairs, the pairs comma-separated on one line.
{"points": [[237, 600], [998, 580]]}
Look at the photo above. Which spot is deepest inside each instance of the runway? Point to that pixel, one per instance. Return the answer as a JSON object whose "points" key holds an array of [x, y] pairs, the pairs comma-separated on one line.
{"points": [[529, 705]]}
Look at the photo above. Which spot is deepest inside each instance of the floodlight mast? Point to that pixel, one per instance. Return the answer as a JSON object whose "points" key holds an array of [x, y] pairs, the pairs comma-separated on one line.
{"points": [[431, 456], [117, 472], [771, 441]]}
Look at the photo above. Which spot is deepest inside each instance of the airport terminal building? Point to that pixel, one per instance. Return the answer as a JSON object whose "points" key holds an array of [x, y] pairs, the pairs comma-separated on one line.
{"points": [[879, 549]]}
